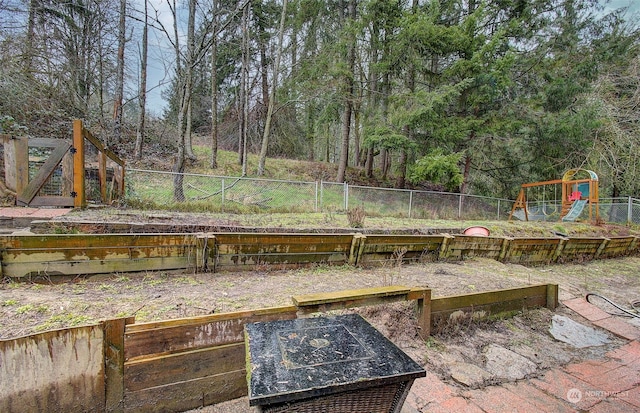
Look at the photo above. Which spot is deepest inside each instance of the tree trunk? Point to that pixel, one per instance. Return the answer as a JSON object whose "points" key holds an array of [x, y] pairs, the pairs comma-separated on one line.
{"points": [[119, 92], [185, 98], [214, 89], [348, 103], [402, 170], [465, 174], [245, 91], [272, 98], [369, 162], [188, 144], [142, 93], [29, 52]]}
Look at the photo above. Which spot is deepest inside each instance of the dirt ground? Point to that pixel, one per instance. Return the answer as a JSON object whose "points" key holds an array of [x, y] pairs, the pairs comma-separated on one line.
{"points": [[30, 307]]}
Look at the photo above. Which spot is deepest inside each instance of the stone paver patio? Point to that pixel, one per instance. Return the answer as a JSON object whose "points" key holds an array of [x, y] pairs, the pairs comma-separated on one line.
{"points": [[610, 384]]}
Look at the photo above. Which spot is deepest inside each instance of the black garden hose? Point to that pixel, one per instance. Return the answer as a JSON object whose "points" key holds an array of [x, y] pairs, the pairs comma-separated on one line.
{"points": [[628, 313]]}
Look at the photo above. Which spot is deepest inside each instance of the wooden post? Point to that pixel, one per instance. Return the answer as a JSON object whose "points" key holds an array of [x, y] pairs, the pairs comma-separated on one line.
{"points": [[443, 254], [559, 249], [504, 249], [16, 163], [552, 296], [114, 363], [357, 245], [80, 200], [423, 310], [102, 176]]}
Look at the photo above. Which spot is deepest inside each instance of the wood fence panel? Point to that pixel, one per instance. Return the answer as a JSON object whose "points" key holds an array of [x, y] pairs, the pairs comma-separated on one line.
{"points": [[55, 371], [532, 251]]}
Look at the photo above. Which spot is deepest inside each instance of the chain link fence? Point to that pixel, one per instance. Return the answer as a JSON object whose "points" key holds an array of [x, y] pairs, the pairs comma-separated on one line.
{"points": [[155, 189]]}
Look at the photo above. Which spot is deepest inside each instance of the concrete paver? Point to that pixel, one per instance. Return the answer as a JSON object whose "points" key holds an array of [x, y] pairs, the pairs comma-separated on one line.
{"points": [[496, 399], [586, 309], [619, 327]]}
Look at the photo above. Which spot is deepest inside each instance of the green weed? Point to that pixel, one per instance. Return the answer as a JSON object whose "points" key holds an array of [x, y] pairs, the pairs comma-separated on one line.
{"points": [[24, 309], [63, 320]]}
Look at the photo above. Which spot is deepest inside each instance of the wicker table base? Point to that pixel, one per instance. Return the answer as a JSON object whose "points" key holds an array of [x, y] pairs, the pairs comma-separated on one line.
{"points": [[382, 399]]}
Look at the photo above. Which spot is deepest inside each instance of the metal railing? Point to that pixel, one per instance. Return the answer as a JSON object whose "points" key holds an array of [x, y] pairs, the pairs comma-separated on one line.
{"points": [[154, 189]]}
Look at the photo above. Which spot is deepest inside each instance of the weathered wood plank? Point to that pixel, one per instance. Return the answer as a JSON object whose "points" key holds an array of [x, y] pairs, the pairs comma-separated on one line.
{"points": [[16, 162], [86, 267], [189, 394], [47, 241], [581, 248], [188, 365], [346, 295], [377, 248], [531, 250], [475, 299], [148, 339], [54, 371], [250, 249], [617, 247], [466, 246]]}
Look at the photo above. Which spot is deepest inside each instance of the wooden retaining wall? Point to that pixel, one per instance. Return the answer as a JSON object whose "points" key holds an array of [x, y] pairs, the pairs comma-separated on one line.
{"points": [[176, 365], [45, 255], [55, 371]]}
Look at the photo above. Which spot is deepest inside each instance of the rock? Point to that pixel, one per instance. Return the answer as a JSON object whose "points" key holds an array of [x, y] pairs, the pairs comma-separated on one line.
{"points": [[578, 335], [506, 364], [468, 374]]}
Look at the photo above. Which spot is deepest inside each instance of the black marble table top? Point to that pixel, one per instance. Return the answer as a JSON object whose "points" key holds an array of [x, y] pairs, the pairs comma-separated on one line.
{"points": [[291, 360]]}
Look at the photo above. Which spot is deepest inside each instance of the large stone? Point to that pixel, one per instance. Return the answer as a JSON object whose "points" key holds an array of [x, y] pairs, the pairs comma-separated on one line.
{"points": [[468, 374], [576, 334], [506, 364]]}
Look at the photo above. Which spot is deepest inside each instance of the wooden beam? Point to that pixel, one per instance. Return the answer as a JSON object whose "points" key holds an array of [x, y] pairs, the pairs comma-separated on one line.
{"points": [[348, 295], [172, 336], [16, 162], [80, 200], [187, 365], [114, 363]]}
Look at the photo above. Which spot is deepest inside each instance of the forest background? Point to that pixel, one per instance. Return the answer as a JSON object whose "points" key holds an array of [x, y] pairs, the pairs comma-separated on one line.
{"points": [[470, 96]]}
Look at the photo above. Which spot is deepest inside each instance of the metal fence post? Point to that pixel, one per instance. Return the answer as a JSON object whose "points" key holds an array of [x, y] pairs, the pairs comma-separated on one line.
{"points": [[346, 196], [498, 209], [222, 192], [410, 203], [316, 196], [629, 211], [460, 206]]}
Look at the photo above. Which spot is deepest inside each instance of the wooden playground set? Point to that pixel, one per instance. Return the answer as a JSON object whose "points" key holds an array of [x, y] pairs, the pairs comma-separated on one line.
{"points": [[578, 190]]}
